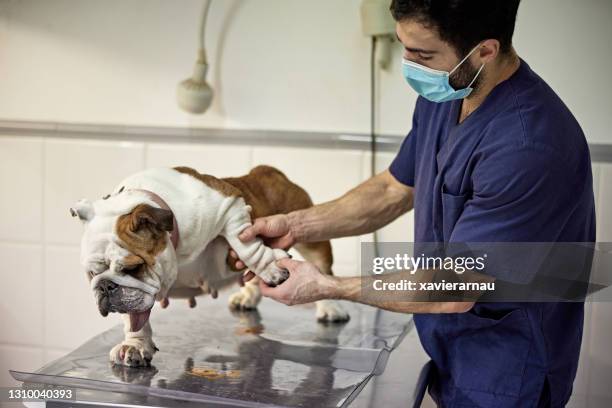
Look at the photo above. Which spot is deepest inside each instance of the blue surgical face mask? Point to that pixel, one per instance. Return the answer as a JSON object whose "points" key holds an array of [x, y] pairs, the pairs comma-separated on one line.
{"points": [[434, 85]]}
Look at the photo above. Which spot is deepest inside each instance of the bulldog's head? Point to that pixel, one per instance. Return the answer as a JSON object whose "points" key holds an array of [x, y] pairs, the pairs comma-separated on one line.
{"points": [[127, 253]]}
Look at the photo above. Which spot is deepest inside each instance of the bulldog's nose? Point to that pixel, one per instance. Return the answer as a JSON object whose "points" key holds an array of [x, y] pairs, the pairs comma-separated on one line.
{"points": [[105, 288], [106, 285]]}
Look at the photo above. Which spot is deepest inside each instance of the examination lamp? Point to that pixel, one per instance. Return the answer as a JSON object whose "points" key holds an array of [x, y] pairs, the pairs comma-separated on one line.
{"points": [[194, 95]]}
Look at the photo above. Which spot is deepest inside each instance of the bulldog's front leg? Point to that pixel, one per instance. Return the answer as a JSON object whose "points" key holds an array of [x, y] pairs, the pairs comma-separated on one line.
{"points": [[260, 259], [137, 348], [248, 297]]}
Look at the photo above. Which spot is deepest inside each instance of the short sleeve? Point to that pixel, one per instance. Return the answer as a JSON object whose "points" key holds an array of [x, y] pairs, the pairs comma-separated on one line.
{"points": [[404, 165], [521, 193]]}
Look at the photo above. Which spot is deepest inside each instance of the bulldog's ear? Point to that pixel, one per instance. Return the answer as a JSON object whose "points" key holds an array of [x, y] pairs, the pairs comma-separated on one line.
{"points": [[83, 209], [146, 215]]}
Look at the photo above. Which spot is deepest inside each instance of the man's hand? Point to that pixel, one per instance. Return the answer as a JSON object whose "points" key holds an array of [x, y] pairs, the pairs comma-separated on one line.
{"points": [[275, 231], [305, 284]]}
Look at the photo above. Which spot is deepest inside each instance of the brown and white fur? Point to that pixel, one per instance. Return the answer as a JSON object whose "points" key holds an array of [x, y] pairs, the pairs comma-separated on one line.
{"points": [[131, 262]]}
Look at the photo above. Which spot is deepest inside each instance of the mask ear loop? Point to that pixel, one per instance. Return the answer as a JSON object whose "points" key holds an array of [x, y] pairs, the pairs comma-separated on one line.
{"points": [[476, 76], [463, 60]]}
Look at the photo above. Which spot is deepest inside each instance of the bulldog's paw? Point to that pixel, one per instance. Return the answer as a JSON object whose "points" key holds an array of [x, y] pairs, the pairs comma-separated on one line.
{"points": [[330, 311], [246, 299], [133, 353], [273, 275]]}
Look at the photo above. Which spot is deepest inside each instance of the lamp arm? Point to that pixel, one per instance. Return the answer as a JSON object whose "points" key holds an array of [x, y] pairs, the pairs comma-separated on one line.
{"points": [[203, 27]]}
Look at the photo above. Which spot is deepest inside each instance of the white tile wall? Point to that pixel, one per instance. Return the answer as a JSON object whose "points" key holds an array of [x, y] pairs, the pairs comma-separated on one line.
{"points": [[604, 203], [76, 169], [45, 295], [217, 160], [325, 174], [21, 180], [21, 294]]}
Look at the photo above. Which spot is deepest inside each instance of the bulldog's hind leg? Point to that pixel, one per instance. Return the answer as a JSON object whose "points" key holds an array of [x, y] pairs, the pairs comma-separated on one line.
{"points": [[136, 349], [320, 254], [248, 297]]}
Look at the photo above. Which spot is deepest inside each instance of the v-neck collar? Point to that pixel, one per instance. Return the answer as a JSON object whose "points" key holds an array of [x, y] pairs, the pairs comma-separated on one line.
{"points": [[487, 108]]}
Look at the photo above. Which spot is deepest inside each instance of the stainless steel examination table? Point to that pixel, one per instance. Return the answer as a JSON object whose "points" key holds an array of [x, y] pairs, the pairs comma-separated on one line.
{"points": [[277, 356]]}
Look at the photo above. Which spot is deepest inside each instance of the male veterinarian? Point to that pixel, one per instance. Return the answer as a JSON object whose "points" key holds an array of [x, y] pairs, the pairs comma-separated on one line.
{"points": [[493, 156]]}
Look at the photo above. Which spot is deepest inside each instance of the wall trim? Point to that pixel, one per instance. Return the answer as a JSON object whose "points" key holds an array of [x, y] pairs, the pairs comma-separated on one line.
{"points": [[253, 137], [601, 153]]}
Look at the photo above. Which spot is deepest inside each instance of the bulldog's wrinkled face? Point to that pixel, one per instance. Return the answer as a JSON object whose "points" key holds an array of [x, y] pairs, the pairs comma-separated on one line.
{"points": [[127, 253]]}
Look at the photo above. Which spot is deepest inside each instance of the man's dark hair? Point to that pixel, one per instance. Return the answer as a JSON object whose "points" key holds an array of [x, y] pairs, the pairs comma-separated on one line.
{"points": [[463, 23]]}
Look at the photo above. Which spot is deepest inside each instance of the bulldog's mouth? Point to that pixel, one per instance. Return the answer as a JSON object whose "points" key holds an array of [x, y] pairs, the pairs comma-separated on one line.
{"points": [[138, 320], [126, 300]]}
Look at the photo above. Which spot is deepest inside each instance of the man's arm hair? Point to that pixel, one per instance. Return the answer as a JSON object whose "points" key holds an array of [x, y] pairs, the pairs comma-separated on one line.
{"points": [[359, 289]]}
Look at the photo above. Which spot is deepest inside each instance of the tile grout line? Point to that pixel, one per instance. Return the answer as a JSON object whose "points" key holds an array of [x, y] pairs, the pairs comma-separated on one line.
{"points": [[44, 246]]}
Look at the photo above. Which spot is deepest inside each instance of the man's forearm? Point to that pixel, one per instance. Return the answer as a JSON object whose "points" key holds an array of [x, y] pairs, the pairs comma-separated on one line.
{"points": [[355, 290], [366, 208]]}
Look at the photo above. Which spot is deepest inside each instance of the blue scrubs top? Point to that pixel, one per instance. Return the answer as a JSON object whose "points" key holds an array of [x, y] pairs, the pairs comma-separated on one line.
{"points": [[516, 170]]}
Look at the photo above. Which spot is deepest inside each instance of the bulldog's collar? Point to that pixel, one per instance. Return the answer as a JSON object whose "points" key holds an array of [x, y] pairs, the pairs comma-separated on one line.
{"points": [[174, 235]]}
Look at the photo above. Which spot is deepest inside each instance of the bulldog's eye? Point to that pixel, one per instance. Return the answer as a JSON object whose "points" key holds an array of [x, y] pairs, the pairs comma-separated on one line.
{"points": [[130, 269]]}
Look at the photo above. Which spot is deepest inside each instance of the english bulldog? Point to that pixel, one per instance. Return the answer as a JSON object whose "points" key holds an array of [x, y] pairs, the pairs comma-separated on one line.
{"points": [[166, 232]]}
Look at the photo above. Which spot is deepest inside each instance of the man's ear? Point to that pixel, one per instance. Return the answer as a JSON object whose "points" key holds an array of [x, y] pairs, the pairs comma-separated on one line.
{"points": [[145, 215], [83, 209]]}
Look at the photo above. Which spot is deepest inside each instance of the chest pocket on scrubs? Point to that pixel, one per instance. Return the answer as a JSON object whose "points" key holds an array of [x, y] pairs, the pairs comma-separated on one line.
{"points": [[452, 207]]}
